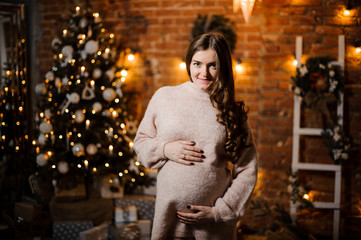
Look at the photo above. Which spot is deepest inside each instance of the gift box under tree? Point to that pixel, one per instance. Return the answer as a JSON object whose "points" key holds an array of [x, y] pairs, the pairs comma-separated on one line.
{"points": [[144, 204], [69, 230]]}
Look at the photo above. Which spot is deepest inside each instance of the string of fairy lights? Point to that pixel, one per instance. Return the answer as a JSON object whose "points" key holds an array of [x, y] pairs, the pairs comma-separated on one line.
{"points": [[13, 102]]}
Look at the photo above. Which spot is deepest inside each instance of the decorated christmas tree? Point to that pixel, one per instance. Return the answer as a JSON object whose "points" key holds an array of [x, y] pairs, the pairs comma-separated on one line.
{"points": [[85, 128]]}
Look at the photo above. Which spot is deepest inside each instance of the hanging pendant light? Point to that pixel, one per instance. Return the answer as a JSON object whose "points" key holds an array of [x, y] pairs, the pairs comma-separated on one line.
{"points": [[246, 6]]}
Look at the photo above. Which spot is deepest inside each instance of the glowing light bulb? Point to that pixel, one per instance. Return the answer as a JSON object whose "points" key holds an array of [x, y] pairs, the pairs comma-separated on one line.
{"points": [[346, 12], [87, 123], [124, 73], [306, 196], [358, 50], [239, 67], [130, 57], [182, 65]]}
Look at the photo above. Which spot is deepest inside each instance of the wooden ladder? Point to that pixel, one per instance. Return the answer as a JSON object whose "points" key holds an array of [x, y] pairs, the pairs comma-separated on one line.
{"points": [[299, 131]]}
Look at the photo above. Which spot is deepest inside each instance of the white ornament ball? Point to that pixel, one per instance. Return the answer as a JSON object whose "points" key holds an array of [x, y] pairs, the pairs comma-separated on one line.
{"points": [[109, 94], [83, 22], [67, 52], [78, 149], [110, 73], [45, 127], [83, 54], [40, 88], [63, 167], [91, 149], [79, 116], [41, 139], [65, 80], [97, 107], [50, 76], [91, 47], [74, 98], [97, 73], [42, 159]]}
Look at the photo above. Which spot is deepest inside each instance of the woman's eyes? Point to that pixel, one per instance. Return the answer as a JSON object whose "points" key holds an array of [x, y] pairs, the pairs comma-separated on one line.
{"points": [[212, 65]]}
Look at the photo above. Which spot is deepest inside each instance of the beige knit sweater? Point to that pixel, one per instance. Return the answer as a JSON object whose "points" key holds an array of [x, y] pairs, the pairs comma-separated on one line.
{"points": [[184, 112]]}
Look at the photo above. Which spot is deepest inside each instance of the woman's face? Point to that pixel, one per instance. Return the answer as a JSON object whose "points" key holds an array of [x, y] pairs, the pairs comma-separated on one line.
{"points": [[203, 68]]}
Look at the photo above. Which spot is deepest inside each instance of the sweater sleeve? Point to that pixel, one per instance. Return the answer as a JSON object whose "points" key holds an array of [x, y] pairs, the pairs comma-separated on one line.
{"points": [[232, 205], [147, 145]]}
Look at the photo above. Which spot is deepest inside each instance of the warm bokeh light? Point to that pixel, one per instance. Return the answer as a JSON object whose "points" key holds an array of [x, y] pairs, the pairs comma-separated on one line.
{"points": [[305, 196], [124, 73], [239, 68], [130, 57], [182, 65]]}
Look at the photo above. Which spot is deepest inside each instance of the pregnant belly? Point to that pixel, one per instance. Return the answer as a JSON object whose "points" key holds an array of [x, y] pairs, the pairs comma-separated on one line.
{"points": [[199, 184]]}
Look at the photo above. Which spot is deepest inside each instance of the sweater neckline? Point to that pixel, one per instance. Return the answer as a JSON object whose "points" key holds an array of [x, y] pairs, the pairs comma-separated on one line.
{"points": [[196, 90]]}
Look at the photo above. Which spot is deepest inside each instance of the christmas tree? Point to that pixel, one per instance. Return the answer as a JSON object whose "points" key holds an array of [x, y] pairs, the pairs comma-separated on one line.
{"points": [[84, 125]]}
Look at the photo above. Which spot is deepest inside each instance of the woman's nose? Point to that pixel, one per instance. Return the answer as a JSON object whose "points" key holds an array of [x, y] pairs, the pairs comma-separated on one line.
{"points": [[204, 71]]}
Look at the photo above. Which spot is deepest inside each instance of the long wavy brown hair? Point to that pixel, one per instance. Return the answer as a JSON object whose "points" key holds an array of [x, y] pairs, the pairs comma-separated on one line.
{"points": [[231, 114]]}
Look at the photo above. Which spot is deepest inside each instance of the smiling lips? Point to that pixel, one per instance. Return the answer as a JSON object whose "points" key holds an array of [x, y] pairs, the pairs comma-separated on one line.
{"points": [[205, 80]]}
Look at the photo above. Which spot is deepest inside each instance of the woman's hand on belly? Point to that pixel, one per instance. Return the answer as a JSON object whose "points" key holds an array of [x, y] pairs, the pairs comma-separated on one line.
{"points": [[199, 214], [183, 152]]}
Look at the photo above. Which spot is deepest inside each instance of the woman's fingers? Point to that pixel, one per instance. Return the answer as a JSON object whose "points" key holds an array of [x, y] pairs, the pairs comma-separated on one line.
{"points": [[184, 162], [190, 146], [183, 152], [191, 156], [200, 214]]}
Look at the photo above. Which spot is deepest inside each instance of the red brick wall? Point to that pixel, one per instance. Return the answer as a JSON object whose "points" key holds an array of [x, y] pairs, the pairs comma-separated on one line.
{"points": [[161, 30]]}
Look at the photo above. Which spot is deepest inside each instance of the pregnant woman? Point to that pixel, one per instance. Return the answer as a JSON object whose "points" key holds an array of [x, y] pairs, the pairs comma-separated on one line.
{"points": [[198, 138]]}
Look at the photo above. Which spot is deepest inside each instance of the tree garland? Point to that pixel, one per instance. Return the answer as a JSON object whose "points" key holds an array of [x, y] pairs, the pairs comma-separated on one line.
{"points": [[317, 84], [337, 143]]}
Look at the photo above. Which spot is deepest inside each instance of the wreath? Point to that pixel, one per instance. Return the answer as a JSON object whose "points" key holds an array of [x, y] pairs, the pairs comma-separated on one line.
{"points": [[318, 80], [215, 23]]}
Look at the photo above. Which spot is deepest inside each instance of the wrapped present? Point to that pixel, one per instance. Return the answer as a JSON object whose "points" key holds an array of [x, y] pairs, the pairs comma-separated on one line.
{"points": [[145, 205], [145, 227], [68, 230], [99, 232], [125, 232], [108, 186], [125, 214]]}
